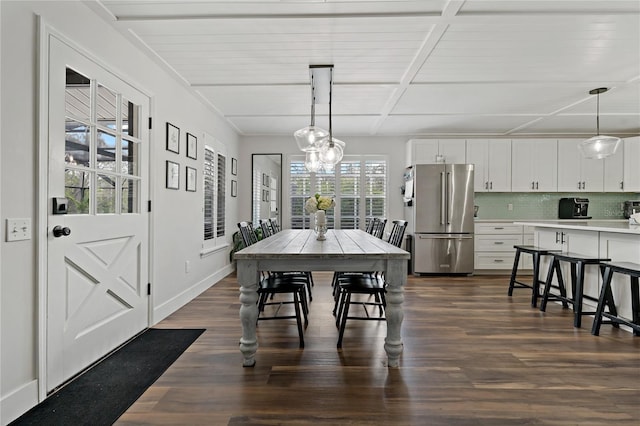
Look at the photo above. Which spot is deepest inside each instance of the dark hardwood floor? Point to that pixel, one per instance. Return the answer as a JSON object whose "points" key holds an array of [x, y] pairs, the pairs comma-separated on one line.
{"points": [[472, 356]]}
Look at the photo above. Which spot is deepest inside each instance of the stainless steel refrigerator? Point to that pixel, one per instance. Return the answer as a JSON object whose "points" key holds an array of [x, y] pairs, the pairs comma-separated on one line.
{"points": [[440, 200]]}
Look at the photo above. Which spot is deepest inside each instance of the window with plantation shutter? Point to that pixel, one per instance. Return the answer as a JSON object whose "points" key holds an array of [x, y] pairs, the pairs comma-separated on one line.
{"points": [[221, 192], [209, 191], [299, 191], [350, 189], [325, 184], [375, 188], [214, 172], [358, 184]]}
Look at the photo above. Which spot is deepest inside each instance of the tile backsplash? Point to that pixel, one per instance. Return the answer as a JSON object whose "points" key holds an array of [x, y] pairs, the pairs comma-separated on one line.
{"points": [[533, 205]]}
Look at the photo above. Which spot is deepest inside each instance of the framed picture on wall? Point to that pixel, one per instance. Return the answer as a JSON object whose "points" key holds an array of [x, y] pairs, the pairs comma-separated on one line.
{"points": [[234, 188], [234, 166], [191, 179], [173, 138], [192, 146], [173, 175]]}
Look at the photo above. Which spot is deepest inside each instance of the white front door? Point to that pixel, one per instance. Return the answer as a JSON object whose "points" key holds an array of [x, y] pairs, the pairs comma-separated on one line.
{"points": [[98, 169]]}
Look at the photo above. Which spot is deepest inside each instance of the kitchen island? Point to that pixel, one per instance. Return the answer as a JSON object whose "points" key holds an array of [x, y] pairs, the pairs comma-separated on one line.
{"points": [[615, 239]]}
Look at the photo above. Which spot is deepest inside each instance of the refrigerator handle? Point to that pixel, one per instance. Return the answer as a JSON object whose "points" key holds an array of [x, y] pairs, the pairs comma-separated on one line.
{"points": [[448, 192], [443, 199]]}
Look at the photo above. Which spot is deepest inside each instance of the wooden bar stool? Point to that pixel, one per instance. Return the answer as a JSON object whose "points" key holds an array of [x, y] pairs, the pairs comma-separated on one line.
{"points": [[606, 297], [536, 252], [578, 263]]}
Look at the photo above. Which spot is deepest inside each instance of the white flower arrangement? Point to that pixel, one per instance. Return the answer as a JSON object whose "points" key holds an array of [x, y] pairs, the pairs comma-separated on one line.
{"points": [[318, 202]]}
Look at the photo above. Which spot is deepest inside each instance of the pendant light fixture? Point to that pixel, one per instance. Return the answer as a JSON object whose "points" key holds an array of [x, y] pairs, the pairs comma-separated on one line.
{"points": [[599, 146], [309, 138], [322, 150]]}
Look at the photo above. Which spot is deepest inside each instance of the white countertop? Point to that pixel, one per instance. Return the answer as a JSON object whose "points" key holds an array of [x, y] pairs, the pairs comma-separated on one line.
{"points": [[618, 226]]}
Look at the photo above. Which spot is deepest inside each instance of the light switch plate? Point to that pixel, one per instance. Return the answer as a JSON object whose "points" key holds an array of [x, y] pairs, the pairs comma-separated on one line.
{"points": [[18, 229]]}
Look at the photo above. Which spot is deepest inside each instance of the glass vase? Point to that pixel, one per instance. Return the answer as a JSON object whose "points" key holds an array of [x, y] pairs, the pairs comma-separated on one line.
{"points": [[320, 225]]}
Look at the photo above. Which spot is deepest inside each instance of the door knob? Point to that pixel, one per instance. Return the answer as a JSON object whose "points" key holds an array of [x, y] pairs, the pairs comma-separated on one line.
{"points": [[59, 231]]}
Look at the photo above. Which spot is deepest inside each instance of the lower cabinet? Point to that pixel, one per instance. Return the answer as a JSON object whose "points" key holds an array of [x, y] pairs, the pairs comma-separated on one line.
{"points": [[621, 248], [494, 243], [574, 241]]}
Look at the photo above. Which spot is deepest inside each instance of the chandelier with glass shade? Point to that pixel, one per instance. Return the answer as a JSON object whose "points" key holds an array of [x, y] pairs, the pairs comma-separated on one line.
{"points": [[599, 146], [322, 150]]}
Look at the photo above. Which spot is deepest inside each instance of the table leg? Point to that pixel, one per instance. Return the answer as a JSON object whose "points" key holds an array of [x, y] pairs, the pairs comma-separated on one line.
{"points": [[248, 278], [396, 278]]}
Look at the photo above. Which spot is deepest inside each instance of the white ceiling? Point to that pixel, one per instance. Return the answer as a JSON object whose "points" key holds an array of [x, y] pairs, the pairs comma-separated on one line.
{"points": [[410, 68]]}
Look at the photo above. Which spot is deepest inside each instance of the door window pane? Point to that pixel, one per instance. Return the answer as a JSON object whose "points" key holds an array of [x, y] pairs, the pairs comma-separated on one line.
{"points": [[77, 185], [130, 113], [106, 155], [106, 107], [130, 193], [130, 158], [105, 194], [77, 143], [77, 95]]}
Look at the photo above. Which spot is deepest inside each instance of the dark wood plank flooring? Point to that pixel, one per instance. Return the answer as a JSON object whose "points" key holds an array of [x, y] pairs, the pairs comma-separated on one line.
{"points": [[472, 356]]}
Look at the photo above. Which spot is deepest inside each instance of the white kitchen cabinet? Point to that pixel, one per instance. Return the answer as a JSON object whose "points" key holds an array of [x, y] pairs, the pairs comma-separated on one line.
{"points": [[492, 160], [576, 173], [573, 241], [614, 171], [494, 243], [534, 165], [631, 166], [621, 248], [431, 151]]}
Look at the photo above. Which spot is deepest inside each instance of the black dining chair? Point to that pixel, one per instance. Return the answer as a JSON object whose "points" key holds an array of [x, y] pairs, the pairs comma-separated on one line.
{"points": [[371, 284], [379, 223], [272, 284], [275, 227], [267, 231]]}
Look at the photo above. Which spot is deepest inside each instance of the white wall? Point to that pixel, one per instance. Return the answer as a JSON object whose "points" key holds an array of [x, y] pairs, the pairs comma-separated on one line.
{"points": [[177, 215], [393, 147]]}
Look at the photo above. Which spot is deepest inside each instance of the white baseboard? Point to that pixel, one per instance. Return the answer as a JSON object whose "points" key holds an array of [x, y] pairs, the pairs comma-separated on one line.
{"points": [[18, 402], [170, 306]]}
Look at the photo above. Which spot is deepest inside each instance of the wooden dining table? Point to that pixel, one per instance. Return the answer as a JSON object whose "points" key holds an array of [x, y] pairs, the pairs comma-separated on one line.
{"points": [[343, 250]]}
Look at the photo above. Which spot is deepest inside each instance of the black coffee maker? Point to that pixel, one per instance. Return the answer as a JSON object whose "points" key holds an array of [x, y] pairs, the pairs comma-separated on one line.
{"points": [[573, 208]]}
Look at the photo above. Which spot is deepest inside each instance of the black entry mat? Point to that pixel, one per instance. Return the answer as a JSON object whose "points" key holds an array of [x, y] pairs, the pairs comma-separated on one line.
{"points": [[104, 392]]}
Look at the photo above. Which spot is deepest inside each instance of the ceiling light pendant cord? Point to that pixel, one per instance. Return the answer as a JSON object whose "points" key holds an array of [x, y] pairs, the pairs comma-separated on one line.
{"points": [[330, 98], [313, 103], [598, 114]]}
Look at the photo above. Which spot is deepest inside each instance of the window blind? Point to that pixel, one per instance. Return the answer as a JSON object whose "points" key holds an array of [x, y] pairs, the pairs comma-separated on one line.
{"points": [[359, 186], [209, 184], [299, 190], [221, 198]]}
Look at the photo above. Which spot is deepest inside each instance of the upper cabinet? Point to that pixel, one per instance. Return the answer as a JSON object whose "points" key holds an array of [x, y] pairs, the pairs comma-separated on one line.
{"points": [[492, 160], [631, 181], [576, 173], [613, 169], [431, 151], [538, 165], [535, 164]]}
